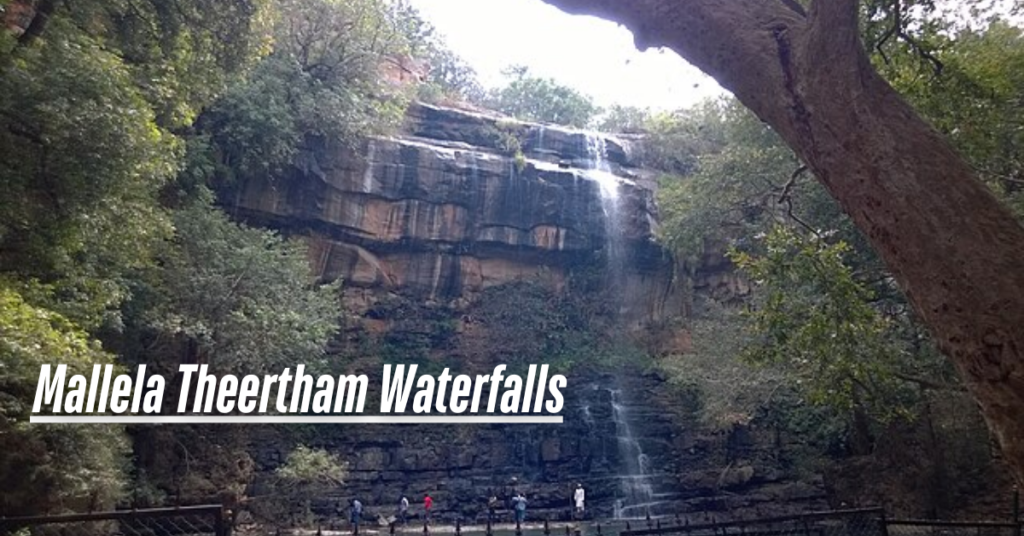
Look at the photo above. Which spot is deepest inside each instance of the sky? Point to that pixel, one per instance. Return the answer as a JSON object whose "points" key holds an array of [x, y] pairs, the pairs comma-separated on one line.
{"points": [[591, 55]]}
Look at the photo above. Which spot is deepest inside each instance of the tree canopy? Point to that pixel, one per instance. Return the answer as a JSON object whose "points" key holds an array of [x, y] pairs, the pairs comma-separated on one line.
{"points": [[117, 120], [534, 98]]}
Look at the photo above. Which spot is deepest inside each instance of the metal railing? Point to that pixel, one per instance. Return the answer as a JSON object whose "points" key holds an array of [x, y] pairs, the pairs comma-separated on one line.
{"points": [[860, 522], [204, 520], [215, 520]]}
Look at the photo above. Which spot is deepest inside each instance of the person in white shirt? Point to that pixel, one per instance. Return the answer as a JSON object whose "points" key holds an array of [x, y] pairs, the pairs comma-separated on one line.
{"points": [[578, 498], [403, 510]]}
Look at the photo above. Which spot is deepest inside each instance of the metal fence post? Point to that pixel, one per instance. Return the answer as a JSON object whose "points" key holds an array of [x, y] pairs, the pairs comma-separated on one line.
{"points": [[218, 523], [1016, 511]]}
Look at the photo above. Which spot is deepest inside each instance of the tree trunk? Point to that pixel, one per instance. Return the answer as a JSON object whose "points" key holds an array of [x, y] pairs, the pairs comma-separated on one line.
{"points": [[955, 250]]}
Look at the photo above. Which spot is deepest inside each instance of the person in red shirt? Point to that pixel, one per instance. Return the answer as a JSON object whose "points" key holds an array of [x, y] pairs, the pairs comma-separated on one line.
{"points": [[427, 503]]}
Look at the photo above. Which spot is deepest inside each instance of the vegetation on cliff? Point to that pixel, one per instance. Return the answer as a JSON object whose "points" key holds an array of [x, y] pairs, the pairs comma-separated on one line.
{"points": [[120, 119], [825, 319], [806, 72], [116, 119]]}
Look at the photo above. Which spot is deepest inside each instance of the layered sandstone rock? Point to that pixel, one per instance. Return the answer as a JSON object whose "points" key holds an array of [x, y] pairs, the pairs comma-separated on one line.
{"points": [[419, 226], [465, 201]]}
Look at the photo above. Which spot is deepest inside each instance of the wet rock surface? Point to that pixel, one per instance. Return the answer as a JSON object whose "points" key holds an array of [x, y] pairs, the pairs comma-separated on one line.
{"points": [[689, 471], [446, 210]]}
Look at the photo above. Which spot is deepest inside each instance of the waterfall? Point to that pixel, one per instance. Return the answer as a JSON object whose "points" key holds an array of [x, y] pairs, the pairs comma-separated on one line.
{"points": [[608, 183], [588, 418], [636, 490], [371, 155]]}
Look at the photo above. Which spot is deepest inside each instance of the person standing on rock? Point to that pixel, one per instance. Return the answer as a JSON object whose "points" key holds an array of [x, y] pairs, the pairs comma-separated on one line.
{"points": [[356, 513], [578, 497], [520, 508], [428, 503], [492, 505], [403, 510]]}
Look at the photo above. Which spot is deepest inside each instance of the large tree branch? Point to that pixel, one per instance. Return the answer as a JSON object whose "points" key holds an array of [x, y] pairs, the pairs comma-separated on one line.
{"points": [[726, 39], [839, 19], [953, 248]]}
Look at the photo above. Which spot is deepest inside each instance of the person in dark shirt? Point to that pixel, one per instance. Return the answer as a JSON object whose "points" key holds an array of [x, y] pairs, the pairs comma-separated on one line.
{"points": [[492, 505]]}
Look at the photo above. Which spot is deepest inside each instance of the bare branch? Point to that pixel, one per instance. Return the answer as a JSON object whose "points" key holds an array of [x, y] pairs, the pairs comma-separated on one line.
{"points": [[923, 52], [786, 198], [930, 384], [897, 23]]}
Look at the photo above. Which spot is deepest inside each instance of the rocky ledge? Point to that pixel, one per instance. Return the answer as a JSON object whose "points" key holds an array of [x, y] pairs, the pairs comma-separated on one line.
{"points": [[462, 201]]}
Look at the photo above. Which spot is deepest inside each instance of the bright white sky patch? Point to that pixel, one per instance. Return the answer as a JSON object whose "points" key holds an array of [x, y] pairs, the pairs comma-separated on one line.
{"points": [[592, 55]]}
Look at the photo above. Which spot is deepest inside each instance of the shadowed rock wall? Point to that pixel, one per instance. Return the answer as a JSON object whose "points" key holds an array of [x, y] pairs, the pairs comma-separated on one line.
{"points": [[446, 211], [462, 202]]}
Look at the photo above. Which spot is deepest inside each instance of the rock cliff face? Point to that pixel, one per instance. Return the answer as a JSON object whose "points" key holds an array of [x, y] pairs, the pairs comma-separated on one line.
{"points": [[461, 203], [689, 471]]}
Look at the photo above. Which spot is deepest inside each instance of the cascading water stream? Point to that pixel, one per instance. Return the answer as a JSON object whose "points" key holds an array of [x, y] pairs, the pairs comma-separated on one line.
{"points": [[608, 183], [636, 488], [371, 156]]}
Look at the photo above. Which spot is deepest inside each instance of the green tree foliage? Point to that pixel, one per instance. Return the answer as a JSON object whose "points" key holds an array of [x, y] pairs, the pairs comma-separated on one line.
{"points": [[91, 95], [976, 101], [813, 318], [448, 78], [735, 168], [534, 98], [624, 119], [824, 311], [729, 390], [69, 466], [97, 101], [82, 160], [182, 53], [527, 323], [241, 298], [306, 465], [306, 474], [322, 81], [30, 337]]}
